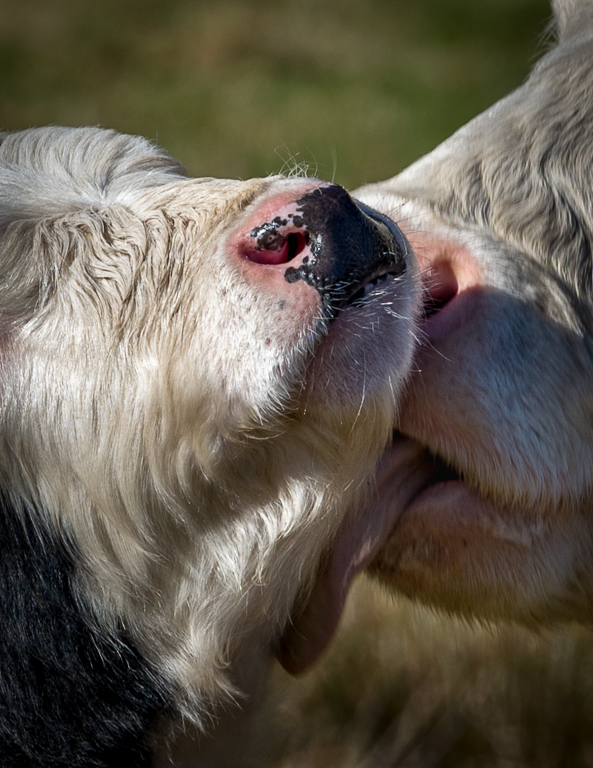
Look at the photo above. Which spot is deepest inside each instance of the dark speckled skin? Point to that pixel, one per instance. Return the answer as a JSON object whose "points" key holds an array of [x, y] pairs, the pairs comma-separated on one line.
{"points": [[350, 246]]}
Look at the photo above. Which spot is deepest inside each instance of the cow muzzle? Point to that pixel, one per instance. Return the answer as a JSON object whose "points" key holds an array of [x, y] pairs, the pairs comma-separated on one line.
{"points": [[334, 243]]}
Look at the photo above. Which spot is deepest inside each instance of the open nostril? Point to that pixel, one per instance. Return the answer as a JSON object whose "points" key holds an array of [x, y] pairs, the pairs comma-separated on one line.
{"points": [[270, 247], [296, 242], [440, 287]]}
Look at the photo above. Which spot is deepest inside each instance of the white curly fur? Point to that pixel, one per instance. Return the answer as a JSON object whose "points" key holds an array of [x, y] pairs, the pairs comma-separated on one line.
{"points": [[162, 409]]}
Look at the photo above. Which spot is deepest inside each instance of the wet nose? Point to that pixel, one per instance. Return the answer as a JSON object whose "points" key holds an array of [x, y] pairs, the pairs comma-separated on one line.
{"points": [[334, 243], [350, 244]]}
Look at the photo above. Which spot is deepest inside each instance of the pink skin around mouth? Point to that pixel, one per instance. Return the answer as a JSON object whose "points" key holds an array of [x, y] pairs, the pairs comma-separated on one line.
{"points": [[449, 276], [451, 541], [452, 280]]}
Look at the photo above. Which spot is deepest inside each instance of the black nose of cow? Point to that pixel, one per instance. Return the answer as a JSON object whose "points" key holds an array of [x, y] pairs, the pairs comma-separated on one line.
{"points": [[351, 246]]}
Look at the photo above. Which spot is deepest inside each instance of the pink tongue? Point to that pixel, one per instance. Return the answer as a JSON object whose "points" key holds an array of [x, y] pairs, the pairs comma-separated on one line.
{"points": [[359, 538]]}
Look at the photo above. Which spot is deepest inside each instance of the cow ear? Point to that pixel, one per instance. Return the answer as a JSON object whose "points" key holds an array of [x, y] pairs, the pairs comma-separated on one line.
{"points": [[573, 17]]}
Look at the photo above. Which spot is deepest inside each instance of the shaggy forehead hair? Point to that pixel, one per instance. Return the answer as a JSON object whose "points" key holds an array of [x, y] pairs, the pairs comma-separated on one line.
{"points": [[147, 414], [45, 172]]}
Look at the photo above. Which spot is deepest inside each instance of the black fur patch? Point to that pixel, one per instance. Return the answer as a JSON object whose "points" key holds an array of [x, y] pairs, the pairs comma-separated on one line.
{"points": [[71, 695]]}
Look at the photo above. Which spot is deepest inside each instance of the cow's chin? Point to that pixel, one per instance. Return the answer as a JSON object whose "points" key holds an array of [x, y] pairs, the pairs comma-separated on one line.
{"points": [[473, 553], [367, 350]]}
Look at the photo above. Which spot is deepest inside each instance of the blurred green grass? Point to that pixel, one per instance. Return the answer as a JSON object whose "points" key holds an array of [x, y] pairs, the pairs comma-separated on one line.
{"points": [[404, 687], [353, 89]]}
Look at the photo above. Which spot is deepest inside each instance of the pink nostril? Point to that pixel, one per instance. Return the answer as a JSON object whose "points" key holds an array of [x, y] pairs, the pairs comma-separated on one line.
{"points": [[284, 249], [440, 286]]}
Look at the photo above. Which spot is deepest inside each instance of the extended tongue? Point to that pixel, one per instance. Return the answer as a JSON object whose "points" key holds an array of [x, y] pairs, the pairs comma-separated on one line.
{"points": [[359, 538]]}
